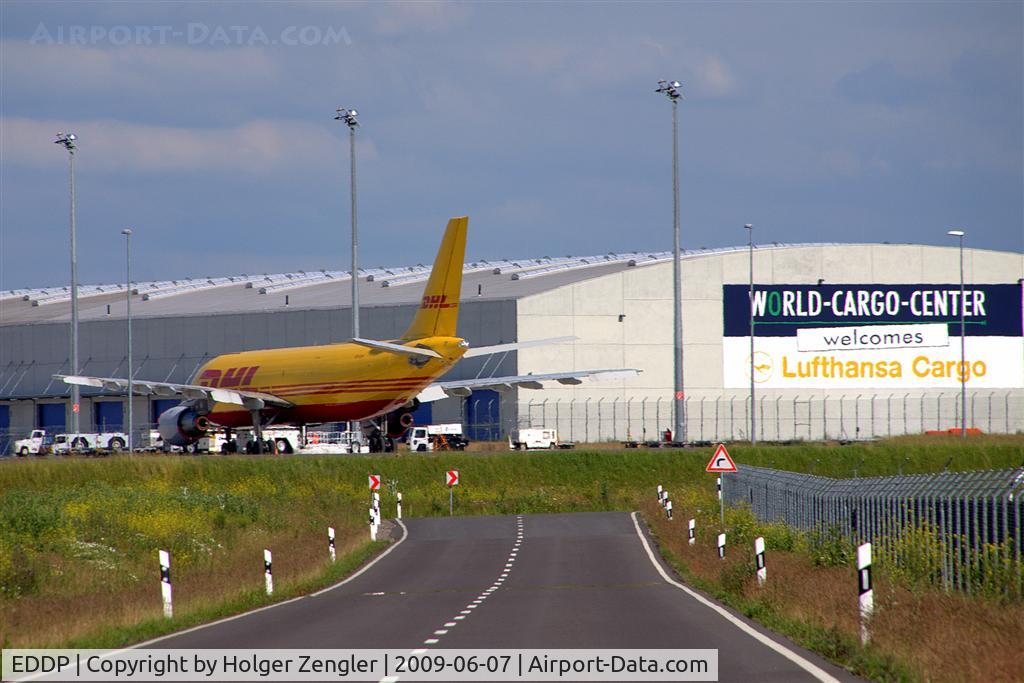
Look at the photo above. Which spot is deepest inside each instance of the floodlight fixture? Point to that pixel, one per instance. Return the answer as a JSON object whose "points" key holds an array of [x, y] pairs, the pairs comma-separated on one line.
{"points": [[66, 139], [955, 233], [348, 116], [670, 88]]}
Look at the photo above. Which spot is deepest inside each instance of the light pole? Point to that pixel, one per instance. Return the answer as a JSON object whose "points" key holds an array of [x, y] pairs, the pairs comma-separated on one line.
{"points": [[67, 140], [963, 367], [127, 232], [674, 94], [349, 117], [750, 245]]}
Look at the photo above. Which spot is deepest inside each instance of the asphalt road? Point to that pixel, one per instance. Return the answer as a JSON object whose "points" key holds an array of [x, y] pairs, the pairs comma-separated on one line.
{"points": [[583, 580]]}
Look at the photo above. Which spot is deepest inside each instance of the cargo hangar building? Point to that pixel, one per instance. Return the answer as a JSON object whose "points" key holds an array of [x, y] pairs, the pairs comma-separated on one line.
{"points": [[619, 309]]}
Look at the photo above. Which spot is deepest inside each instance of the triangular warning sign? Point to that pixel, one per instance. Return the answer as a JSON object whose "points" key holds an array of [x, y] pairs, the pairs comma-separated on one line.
{"points": [[720, 461]]}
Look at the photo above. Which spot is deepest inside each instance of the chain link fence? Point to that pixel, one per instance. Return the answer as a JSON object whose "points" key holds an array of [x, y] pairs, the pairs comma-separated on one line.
{"points": [[960, 530], [780, 418]]}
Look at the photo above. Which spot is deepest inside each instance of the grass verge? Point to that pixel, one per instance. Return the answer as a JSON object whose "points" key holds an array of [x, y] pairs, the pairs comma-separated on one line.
{"points": [[78, 538]]}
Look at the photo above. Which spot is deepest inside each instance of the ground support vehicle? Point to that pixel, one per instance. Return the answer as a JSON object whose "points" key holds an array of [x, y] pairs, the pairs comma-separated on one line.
{"points": [[537, 438], [442, 437]]}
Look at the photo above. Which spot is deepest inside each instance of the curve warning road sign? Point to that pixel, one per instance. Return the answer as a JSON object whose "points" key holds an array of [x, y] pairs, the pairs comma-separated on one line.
{"points": [[452, 478], [720, 461]]}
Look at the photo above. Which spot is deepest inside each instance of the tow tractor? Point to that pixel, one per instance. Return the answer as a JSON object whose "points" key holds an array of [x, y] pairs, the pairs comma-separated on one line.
{"points": [[443, 437]]}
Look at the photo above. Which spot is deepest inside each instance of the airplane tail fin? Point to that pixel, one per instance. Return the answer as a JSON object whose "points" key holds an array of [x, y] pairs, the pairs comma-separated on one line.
{"points": [[439, 308]]}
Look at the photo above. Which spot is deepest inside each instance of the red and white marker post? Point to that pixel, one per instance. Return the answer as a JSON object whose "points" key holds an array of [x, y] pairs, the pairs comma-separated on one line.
{"points": [[693, 531], [762, 571], [866, 594], [399, 505], [268, 572], [165, 582], [330, 543], [374, 480], [452, 480], [721, 546]]}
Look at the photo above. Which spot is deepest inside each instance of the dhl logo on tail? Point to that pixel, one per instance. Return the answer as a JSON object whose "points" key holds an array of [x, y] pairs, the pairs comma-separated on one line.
{"points": [[438, 301]]}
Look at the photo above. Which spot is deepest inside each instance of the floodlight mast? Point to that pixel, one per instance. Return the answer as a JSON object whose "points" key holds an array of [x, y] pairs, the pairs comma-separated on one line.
{"points": [[67, 140], [671, 89], [127, 232], [963, 366], [348, 117]]}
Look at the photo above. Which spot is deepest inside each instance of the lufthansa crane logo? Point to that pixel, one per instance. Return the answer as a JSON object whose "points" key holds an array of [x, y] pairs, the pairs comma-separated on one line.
{"points": [[762, 366], [437, 301]]}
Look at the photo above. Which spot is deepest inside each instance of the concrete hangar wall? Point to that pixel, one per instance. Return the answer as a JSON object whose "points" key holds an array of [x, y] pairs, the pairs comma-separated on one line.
{"points": [[624, 319], [622, 316]]}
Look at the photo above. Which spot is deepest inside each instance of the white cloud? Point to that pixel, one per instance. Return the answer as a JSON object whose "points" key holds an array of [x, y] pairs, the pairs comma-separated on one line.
{"points": [[255, 147]]}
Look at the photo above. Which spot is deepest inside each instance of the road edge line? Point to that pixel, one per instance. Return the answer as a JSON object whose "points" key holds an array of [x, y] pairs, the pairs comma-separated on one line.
{"points": [[405, 535], [792, 656]]}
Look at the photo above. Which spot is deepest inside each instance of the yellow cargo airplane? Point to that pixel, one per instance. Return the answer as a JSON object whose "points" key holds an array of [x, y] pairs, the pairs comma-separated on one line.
{"points": [[351, 381]]}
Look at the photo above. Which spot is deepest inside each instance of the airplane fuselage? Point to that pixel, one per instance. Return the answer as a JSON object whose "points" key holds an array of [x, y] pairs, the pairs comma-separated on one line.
{"points": [[326, 383]]}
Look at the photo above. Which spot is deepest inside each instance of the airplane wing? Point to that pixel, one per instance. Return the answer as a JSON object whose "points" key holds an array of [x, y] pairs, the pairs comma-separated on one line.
{"points": [[169, 389], [464, 387], [514, 346]]}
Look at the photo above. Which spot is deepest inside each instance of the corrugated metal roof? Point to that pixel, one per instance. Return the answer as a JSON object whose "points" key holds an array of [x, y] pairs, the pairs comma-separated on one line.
{"points": [[500, 279]]}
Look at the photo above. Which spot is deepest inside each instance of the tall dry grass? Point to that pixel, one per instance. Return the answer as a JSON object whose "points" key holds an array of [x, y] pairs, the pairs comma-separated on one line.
{"points": [[922, 634]]}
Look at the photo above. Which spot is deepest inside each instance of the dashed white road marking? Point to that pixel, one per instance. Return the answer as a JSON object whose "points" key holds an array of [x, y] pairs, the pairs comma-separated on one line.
{"points": [[485, 594]]}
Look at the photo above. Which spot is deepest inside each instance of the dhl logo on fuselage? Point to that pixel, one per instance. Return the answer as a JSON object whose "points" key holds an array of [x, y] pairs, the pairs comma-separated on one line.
{"points": [[232, 377], [437, 301]]}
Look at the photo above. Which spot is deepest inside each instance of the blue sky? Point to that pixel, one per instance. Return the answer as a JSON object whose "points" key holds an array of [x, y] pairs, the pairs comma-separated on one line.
{"points": [[208, 128]]}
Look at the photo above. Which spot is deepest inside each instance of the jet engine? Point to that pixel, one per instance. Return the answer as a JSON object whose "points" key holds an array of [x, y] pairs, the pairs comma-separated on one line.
{"points": [[398, 421], [182, 425]]}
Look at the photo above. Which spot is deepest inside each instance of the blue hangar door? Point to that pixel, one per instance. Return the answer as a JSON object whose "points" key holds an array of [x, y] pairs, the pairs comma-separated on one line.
{"points": [[5, 429], [160, 405], [109, 416], [51, 417]]}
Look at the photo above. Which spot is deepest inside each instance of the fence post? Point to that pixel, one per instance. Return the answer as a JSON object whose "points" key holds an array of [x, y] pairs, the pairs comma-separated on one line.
{"points": [[856, 417], [760, 410], [572, 419], [586, 420], [824, 417], [657, 417], [778, 419], [906, 428], [629, 418], [732, 418], [702, 417], [795, 399], [643, 419], [717, 399]]}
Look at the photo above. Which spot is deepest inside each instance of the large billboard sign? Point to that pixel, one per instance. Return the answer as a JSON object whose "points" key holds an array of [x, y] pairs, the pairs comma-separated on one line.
{"points": [[854, 336]]}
